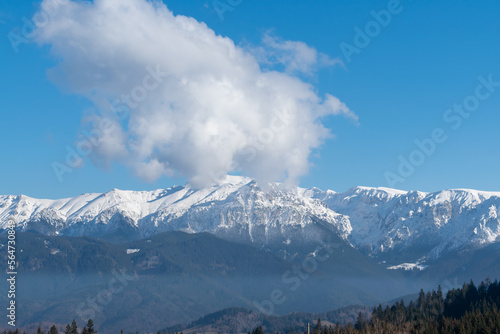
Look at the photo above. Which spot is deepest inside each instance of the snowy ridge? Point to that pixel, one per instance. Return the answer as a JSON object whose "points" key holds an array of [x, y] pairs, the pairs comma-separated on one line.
{"points": [[377, 221], [385, 219], [238, 209]]}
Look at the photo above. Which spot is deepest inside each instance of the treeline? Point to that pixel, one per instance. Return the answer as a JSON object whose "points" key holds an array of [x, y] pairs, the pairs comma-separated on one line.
{"points": [[70, 329], [469, 309]]}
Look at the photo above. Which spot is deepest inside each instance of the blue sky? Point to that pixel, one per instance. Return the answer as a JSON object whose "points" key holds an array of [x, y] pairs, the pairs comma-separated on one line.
{"points": [[400, 85]]}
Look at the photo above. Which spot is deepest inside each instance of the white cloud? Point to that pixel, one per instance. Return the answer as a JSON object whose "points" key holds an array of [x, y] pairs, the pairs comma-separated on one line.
{"points": [[200, 106], [336, 107], [296, 57]]}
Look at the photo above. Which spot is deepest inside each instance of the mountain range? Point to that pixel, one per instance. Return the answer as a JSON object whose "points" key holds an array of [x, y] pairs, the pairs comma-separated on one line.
{"points": [[411, 227], [269, 248]]}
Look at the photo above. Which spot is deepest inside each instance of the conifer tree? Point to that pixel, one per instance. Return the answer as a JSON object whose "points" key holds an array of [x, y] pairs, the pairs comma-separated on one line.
{"points": [[421, 300], [74, 327], [53, 330], [258, 330], [317, 329], [90, 326]]}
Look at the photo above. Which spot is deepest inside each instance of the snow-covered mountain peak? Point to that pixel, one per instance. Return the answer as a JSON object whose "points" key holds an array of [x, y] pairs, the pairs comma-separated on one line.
{"points": [[465, 196], [379, 192], [315, 192], [227, 181]]}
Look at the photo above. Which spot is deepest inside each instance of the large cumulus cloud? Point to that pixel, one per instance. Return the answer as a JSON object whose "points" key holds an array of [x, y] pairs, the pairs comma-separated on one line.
{"points": [[185, 101]]}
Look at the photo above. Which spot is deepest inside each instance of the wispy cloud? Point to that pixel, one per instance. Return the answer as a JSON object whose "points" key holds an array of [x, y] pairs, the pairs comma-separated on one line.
{"points": [[296, 57]]}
